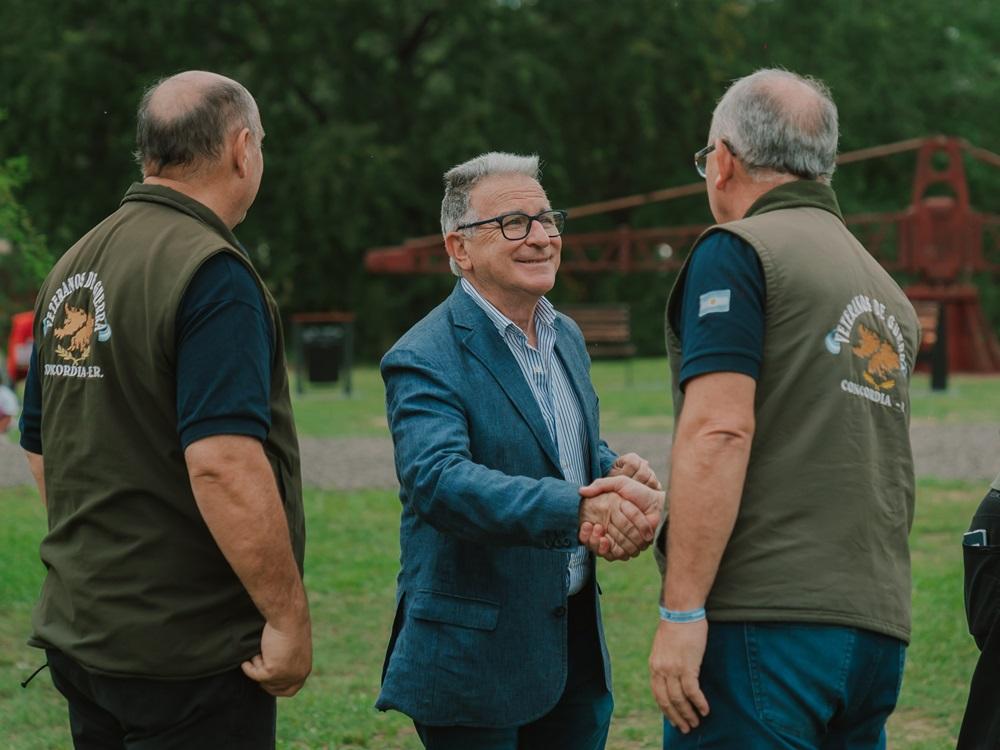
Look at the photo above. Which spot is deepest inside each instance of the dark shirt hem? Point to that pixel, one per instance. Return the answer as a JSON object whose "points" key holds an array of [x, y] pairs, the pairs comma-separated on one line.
{"points": [[31, 444], [222, 426], [743, 364]]}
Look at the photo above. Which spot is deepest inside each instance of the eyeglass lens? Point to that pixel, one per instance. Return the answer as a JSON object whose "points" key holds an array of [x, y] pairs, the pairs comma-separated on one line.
{"points": [[701, 160], [517, 226]]}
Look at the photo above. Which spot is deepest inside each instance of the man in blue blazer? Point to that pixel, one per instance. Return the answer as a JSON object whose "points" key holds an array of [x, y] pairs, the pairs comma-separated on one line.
{"points": [[497, 641]]}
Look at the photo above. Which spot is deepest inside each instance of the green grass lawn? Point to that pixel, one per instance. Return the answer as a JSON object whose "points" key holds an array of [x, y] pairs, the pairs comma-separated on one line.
{"points": [[635, 397], [351, 571]]}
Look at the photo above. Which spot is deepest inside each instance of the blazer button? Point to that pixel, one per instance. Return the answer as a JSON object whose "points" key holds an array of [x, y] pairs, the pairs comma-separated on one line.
{"points": [[559, 611]]}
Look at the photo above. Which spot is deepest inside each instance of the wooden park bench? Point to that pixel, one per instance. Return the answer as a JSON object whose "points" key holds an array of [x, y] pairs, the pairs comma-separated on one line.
{"points": [[607, 331]]}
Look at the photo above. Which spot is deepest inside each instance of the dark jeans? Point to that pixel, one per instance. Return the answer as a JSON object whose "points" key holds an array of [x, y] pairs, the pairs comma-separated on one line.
{"points": [[227, 710], [981, 724], [789, 686], [579, 721]]}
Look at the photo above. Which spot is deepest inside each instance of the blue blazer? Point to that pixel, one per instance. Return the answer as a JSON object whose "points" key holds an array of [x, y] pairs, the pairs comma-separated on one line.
{"points": [[488, 523]]}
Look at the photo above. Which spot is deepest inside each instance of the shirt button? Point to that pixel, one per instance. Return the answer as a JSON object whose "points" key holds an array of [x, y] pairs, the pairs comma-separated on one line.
{"points": [[559, 611]]}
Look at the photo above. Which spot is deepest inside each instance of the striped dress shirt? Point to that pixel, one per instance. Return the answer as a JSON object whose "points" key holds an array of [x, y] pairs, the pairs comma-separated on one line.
{"points": [[555, 398]]}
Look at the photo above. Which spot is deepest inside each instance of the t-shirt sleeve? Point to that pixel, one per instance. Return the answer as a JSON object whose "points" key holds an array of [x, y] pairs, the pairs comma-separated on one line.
{"points": [[721, 315], [30, 423], [225, 346]]}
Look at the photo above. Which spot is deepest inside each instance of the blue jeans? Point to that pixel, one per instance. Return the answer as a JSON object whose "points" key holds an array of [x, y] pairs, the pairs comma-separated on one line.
{"points": [[790, 686]]}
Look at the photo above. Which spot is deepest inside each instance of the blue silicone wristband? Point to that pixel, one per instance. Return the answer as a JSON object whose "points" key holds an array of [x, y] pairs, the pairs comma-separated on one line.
{"points": [[690, 615]]}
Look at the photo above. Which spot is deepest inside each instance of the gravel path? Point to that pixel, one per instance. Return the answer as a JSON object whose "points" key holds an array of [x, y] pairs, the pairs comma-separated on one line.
{"points": [[946, 451]]}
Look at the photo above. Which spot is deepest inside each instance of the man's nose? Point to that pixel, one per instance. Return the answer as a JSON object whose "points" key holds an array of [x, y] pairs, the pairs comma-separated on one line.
{"points": [[537, 235]]}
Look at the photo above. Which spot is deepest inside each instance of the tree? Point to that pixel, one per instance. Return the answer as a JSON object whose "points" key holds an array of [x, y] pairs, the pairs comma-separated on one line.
{"points": [[367, 102], [24, 258]]}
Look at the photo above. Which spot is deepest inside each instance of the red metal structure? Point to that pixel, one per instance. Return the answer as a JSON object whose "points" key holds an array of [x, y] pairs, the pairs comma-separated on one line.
{"points": [[939, 239], [19, 345]]}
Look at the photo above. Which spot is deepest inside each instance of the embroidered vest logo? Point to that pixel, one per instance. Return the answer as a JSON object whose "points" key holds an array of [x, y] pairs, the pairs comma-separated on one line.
{"points": [[73, 327], [78, 328], [884, 359]]}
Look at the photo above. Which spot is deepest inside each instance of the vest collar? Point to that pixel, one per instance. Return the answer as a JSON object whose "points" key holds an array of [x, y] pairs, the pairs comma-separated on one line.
{"points": [[185, 204], [797, 194]]}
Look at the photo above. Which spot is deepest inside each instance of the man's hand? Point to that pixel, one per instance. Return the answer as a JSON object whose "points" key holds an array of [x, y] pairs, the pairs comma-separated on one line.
{"points": [[284, 661], [612, 526], [635, 466], [674, 664], [635, 500]]}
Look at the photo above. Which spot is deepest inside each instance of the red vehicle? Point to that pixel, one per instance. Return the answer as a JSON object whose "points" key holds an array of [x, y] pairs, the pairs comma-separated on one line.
{"points": [[19, 346]]}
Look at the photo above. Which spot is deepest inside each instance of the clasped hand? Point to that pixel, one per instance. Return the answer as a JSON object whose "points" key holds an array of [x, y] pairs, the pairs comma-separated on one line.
{"points": [[285, 658], [619, 513]]}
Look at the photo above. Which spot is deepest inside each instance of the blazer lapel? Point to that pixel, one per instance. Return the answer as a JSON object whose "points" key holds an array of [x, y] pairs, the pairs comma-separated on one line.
{"points": [[579, 378], [480, 337]]}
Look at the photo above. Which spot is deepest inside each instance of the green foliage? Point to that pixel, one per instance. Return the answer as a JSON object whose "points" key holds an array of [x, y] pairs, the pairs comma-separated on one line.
{"points": [[24, 258], [367, 102]]}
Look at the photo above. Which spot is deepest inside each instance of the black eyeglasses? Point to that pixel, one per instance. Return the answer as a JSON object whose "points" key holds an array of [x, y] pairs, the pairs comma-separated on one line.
{"points": [[701, 157], [516, 225]]}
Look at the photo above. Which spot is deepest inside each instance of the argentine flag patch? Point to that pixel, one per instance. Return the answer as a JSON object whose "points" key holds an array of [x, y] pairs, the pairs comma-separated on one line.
{"points": [[714, 302]]}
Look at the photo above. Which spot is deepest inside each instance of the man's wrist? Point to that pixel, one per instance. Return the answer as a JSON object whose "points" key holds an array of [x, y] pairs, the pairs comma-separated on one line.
{"points": [[682, 615]]}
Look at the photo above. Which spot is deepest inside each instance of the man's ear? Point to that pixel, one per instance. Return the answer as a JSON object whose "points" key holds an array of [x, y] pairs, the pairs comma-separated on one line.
{"points": [[455, 244], [725, 165], [242, 143]]}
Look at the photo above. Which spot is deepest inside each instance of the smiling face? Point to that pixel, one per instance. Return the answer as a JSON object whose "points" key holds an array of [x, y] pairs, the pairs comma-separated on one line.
{"points": [[512, 274]]}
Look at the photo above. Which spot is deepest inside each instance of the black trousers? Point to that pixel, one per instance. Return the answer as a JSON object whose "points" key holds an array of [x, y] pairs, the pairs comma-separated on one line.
{"points": [[981, 725], [227, 710]]}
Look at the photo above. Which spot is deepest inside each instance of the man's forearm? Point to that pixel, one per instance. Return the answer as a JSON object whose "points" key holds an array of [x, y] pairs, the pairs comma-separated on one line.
{"points": [[707, 469], [37, 466], [705, 488], [238, 498]]}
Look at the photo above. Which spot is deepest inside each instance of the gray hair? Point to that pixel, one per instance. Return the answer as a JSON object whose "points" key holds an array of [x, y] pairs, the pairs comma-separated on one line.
{"points": [[459, 181], [772, 128], [194, 135]]}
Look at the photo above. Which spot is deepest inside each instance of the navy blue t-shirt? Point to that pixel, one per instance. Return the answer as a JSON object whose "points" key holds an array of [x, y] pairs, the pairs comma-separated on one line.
{"points": [[720, 316], [225, 343]]}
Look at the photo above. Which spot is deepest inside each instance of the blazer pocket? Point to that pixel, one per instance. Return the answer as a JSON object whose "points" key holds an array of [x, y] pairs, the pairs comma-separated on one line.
{"points": [[478, 614]]}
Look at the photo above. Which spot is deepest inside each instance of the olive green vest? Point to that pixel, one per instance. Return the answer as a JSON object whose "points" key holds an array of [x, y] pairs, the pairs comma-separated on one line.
{"points": [[827, 504], [135, 583]]}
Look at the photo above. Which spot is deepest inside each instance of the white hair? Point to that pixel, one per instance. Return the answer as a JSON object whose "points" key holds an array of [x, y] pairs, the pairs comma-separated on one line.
{"points": [[456, 208], [774, 129]]}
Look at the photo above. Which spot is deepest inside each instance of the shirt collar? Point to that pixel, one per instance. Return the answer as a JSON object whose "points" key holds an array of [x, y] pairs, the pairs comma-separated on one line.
{"points": [[545, 313]]}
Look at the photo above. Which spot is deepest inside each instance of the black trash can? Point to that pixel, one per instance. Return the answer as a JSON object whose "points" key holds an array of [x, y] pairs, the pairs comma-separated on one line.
{"points": [[323, 346]]}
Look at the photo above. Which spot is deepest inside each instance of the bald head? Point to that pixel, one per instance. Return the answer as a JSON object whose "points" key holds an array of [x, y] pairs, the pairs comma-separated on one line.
{"points": [[779, 122], [184, 120]]}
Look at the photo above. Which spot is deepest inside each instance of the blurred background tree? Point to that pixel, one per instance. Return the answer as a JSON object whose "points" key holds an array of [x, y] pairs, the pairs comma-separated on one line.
{"points": [[24, 257], [367, 102]]}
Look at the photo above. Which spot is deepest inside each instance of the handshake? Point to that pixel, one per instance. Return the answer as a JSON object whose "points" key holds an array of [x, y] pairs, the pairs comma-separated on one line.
{"points": [[619, 513]]}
